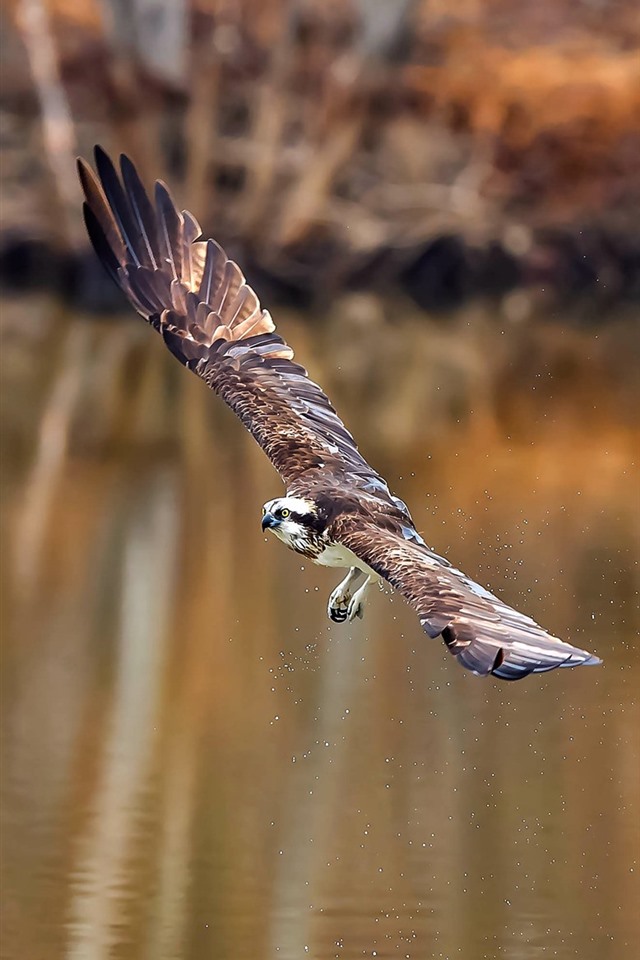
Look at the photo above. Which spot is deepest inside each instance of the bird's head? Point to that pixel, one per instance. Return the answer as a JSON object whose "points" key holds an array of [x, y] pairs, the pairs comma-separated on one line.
{"points": [[291, 519]]}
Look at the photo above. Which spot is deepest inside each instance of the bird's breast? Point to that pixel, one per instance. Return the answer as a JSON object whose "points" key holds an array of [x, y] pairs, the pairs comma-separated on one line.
{"points": [[327, 553], [336, 555]]}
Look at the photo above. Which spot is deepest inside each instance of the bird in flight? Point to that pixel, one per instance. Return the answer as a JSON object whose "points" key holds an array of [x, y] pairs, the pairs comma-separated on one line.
{"points": [[337, 510]]}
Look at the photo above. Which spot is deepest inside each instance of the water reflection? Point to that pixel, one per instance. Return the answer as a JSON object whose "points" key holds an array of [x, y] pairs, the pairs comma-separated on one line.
{"points": [[197, 764]]}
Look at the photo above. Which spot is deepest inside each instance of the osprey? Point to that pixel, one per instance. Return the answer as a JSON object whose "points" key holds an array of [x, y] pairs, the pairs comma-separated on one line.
{"points": [[337, 510]]}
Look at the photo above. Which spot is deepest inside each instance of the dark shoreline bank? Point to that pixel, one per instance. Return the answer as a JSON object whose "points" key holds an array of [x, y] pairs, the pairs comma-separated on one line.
{"points": [[582, 273]]}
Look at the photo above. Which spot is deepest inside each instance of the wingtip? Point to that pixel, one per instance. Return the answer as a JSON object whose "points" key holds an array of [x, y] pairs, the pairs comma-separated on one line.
{"points": [[84, 172], [126, 163], [99, 152], [512, 664], [162, 193], [581, 658], [592, 661]]}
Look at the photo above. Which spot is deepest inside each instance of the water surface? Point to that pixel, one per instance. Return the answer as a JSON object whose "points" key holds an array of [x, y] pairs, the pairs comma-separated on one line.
{"points": [[197, 764]]}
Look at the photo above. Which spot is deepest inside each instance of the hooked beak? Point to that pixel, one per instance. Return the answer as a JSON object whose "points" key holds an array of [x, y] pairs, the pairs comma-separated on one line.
{"points": [[269, 521]]}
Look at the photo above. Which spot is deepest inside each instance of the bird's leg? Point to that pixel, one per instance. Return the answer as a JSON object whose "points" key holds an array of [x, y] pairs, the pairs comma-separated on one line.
{"points": [[340, 599], [356, 605]]}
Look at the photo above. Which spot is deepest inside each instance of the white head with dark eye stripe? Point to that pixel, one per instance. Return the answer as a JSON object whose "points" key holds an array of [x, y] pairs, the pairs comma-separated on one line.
{"points": [[294, 520]]}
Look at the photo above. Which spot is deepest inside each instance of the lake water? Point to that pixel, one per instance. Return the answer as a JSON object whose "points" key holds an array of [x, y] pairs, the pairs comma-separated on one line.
{"points": [[197, 764]]}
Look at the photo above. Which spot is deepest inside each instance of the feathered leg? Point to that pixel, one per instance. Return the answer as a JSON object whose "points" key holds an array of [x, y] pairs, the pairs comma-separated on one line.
{"points": [[356, 604], [341, 598]]}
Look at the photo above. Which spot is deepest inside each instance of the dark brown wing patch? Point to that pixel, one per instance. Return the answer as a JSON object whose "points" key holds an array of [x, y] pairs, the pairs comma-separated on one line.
{"points": [[483, 633]]}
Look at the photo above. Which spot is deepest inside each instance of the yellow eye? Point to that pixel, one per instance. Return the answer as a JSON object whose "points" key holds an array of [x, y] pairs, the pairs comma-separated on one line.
{"points": [[284, 513]]}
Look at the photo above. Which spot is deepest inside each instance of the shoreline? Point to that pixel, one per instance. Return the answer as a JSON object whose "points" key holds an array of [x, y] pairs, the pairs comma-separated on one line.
{"points": [[585, 274]]}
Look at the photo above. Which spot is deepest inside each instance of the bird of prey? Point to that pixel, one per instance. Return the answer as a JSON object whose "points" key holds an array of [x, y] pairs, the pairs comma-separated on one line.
{"points": [[337, 510]]}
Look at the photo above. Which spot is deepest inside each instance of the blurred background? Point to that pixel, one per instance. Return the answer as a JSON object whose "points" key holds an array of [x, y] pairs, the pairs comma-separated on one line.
{"points": [[440, 205]]}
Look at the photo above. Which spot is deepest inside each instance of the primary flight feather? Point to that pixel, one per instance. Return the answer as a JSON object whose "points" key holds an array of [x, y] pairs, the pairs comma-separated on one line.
{"points": [[337, 510]]}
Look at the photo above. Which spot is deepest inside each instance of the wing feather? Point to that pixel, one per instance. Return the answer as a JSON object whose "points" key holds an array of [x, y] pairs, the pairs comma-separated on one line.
{"points": [[213, 270], [485, 634], [212, 321], [120, 207], [97, 235], [142, 210], [171, 226], [101, 225]]}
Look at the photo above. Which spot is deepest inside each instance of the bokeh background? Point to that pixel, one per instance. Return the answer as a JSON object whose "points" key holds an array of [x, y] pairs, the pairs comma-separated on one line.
{"points": [[441, 207]]}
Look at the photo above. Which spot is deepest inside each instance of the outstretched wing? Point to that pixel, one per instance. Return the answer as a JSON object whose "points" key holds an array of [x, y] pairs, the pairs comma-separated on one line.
{"points": [[486, 635], [211, 320]]}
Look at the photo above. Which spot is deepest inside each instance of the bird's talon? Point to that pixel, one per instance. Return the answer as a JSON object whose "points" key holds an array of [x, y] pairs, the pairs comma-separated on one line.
{"points": [[338, 606], [356, 609], [337, 614]]}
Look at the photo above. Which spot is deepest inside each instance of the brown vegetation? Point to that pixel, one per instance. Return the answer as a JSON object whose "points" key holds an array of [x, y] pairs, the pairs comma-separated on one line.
{"points": [[318, 134]]}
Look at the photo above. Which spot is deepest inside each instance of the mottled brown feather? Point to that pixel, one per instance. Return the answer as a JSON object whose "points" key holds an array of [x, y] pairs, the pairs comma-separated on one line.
{"points": [[212, 321], [486, 635]]}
